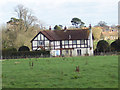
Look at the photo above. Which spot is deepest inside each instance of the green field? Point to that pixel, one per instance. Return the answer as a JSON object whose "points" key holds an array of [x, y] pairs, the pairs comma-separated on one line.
{"points": [[95, 72]]}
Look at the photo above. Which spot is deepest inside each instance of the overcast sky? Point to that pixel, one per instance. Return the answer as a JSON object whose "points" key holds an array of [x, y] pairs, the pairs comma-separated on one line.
{"points": [[55, 12]]}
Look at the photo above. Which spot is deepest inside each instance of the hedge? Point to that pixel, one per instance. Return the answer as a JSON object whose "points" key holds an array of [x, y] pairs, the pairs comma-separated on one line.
{"points": [[25, 54]]}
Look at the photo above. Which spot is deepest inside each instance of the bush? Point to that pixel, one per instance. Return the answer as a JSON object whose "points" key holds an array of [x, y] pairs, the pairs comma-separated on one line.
{"points": [[24, 48], [103, 46], [115, 46]]}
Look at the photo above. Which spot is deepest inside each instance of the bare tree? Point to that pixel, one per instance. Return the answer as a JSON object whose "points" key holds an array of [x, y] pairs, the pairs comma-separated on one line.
{"points": [[25, 16]]}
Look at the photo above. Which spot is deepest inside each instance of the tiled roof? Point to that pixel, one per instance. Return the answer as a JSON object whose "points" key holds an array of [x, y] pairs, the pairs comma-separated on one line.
{"points": [[65, 34]]}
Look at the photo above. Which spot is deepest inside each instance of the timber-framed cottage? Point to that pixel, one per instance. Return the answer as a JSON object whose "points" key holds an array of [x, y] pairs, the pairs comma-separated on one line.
{"points": [[64, 42]]}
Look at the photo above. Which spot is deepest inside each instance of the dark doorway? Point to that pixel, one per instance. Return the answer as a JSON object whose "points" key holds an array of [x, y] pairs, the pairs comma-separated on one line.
{"points": [[79, 52]]}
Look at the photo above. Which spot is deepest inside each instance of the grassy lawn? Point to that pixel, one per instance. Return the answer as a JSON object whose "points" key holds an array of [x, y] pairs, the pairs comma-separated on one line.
{"points": [[95, 72]]}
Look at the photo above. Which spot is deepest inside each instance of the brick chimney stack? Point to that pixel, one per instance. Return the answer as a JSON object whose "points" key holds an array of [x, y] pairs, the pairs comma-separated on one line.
{"points": [[90, 26], [49, 27], [65, 28], [91, 40]]}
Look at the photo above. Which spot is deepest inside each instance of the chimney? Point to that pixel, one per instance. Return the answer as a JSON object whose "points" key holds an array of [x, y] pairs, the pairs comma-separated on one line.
{"points": [[65, 28], [49, 27], [89, 26], [69, 36], [91, 40]]}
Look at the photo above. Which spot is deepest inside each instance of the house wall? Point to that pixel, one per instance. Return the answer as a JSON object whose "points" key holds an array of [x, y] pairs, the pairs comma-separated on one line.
{"points": [[40, 40], [69, 47], [90, 43], [84, 51]]}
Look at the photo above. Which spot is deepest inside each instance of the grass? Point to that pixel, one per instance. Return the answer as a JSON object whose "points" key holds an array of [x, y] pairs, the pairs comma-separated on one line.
{"points": [[95, 72]]}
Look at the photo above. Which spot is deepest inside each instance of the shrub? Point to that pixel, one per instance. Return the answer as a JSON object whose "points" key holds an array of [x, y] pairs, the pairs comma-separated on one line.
{"points": [[115, 46], [103, 46], [24, 48]]}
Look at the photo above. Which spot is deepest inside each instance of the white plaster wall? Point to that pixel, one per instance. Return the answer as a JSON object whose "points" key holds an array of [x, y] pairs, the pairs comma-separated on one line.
{"points": [[35, 38], [46, 43], [83, 51], [39, 37], [42, 37], [74, 53], [34, 43], [34, 49], [52, 53], [90, 52], [55, 52], [46, 38], [90, 44]]}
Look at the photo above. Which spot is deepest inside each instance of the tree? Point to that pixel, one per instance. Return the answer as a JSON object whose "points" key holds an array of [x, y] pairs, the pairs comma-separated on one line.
{"points": [[102, 24], [61, 26], [77, 22], [8, 37], [14, 35], [26, 17], [57, 27], [13, 24], [115, 46], [97, 32], [103, 46]]}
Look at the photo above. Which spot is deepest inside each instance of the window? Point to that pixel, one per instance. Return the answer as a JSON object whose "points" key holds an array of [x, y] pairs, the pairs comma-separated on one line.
{"points": [[66, 41], [40, 43], [74, 41], [82, 42]]}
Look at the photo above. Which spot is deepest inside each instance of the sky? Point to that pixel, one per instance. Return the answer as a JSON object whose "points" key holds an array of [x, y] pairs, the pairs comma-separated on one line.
{"points": [[61, 12]]}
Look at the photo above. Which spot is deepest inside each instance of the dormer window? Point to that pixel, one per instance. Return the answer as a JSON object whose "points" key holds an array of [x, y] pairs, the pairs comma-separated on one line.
{"points": [[69, 36]]}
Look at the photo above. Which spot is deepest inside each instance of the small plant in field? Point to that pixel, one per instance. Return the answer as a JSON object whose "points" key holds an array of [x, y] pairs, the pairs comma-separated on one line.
{"points": [[73, 59], [12, 83], [75, 76], [77, 69], [48, 61], [16, 63], [65, 74], [36, 59], [31, 64], [86, 63], [64, 58], [62, 73]]}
